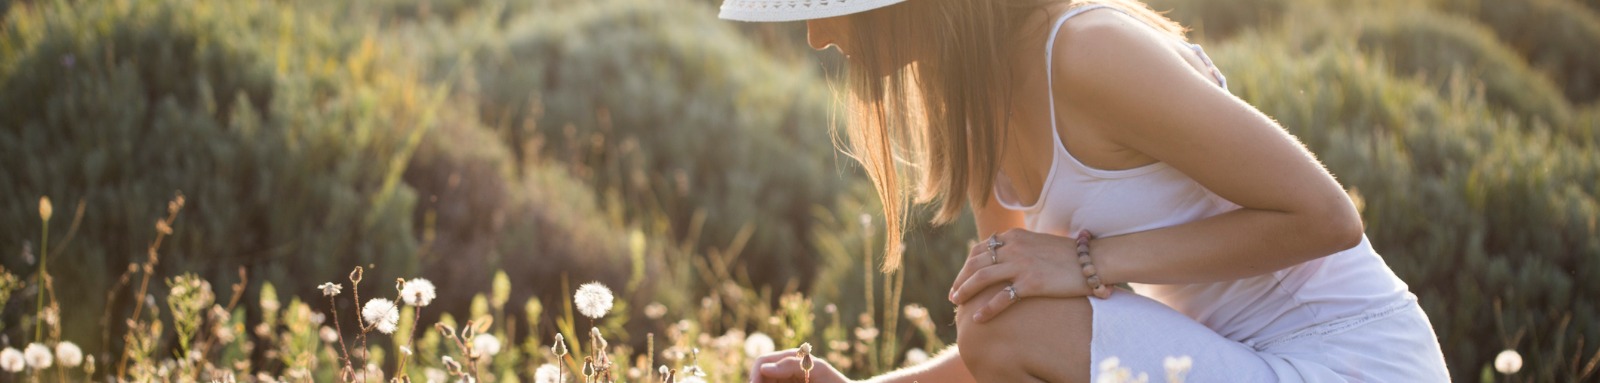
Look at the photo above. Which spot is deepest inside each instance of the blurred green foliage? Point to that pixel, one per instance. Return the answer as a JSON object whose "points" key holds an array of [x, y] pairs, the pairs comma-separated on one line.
{"points": [[646, 145], [675, 117], [287, 141]]}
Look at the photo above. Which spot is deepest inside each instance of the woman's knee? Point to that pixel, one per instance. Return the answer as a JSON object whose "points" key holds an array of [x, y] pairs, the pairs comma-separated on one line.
{"points": [[1034, 338]]}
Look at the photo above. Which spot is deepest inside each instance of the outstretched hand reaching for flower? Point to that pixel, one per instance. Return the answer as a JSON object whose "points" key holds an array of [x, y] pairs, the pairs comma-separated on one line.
{"points": [[1033, 264]]}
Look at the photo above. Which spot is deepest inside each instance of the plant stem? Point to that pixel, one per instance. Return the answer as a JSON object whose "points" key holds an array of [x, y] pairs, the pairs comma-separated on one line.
{"points": [[44, 275], [345, 351]]}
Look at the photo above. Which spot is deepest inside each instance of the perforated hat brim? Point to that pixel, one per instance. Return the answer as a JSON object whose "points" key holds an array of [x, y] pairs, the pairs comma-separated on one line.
{"points": [[795, 10]]}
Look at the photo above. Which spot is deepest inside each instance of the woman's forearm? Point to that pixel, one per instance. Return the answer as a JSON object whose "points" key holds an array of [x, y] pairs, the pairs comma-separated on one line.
{"points": [[1238, 244], [946, 367]]}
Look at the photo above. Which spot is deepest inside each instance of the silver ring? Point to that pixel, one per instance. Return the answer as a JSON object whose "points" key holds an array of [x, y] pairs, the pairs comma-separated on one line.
{"points": [[1012, 289], [994, 243]]}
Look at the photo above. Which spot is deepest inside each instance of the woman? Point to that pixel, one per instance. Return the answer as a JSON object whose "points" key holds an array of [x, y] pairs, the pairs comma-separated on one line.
{"points": [[1095, 147]]}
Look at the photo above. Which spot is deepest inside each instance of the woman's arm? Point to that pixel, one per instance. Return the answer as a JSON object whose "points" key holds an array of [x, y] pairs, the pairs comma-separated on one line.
{"points": [[1131, 87]]}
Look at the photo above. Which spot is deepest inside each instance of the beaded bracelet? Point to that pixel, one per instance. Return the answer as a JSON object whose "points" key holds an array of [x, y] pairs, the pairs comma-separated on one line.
{"points": [[1091, 276]]}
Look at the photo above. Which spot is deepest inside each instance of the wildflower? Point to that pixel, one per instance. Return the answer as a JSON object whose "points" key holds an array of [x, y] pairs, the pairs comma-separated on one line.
{"points": [[435, 375], [758, 344], [37, 356], [405, 350], [1177, 367], [486, 345], [693, 379], [867, 333], [374, 372], [328, 335], [916, 312], [1508, 362], [11, 360], [381, 312], [418, 292], [45, 209], [330, 288], [593, 300], [451, 365], [548, 373], [88, 364], [916, 356], [655, 310], [69, 354], [560, 348]]}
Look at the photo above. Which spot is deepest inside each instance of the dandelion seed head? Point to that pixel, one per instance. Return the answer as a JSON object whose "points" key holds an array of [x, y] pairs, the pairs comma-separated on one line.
{"points": [[418, 292], [593, 300], [11, 360], [758, 344], [38, 356], [69, 354], [381, 313], [547, 373], [916, 356], [1508, 362], [486, 345], [330, 288]]}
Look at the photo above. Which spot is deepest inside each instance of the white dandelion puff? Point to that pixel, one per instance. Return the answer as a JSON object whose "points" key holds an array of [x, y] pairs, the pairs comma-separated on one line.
{"points": [[1508, 362], [382, 314], [548, 373], [11, 360], [38, 356], [758, 344], [486, 345], [69, 354], [1177, 367], [330, 288], [435, 375], [593, 300], [418, 292], [916, 356]]}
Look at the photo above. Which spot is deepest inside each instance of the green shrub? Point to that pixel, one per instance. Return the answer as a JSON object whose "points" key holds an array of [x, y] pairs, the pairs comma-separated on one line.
{"points": [[1556, 36], [1221, 19], [1437, 48], [287, 147], [672, 114], [1466, 205]]}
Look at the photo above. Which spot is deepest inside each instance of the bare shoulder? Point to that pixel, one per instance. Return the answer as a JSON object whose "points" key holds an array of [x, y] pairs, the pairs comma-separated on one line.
{"points": [[1105, 49]]}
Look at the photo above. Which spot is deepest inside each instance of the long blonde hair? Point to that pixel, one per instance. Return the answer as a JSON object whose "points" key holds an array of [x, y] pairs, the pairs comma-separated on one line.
{"points": [[939, 117]]}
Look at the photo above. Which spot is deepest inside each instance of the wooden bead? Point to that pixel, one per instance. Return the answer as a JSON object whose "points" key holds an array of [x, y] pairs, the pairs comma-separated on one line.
{"points": [[1083, 259], [1102, 292], [1083, 247], [1089, 271], [1094, 280]]}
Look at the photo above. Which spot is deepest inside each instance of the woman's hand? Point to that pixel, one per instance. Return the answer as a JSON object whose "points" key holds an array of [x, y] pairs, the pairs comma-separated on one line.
{"points": [[1033, 264], [784, 367]]}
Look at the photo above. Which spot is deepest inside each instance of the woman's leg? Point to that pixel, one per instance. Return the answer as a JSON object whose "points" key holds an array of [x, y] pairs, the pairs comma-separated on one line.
{"points": [[1034, 340]]}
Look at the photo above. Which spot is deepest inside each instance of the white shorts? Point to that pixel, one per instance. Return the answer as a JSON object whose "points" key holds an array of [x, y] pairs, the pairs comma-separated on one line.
{"points": [[1392, 344]]}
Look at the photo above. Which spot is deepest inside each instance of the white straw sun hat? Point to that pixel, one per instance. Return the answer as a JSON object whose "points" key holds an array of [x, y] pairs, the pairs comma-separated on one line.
{"points": [[795, 10]]}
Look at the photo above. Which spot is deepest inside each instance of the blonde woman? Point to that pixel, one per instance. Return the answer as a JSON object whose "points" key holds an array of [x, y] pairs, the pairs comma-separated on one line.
{"points": [[1095, 147]]}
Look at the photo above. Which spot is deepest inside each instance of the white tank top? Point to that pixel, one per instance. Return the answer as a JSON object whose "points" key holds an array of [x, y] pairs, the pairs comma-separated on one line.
{"points": [[1253, 310]]}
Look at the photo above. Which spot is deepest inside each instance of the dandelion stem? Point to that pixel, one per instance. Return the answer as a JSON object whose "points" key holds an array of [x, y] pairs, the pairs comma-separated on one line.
{"points": [[333, 307], [43, 281], [163, 228], [355, 293]]}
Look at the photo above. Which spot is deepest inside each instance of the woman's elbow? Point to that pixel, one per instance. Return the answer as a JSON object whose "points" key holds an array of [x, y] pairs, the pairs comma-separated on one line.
{"points": [[1339, 225]]}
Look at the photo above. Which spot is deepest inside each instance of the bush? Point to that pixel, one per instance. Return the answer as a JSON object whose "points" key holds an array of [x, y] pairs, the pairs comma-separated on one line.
{"points": [[1473, 210], [1556, 36], [1221, 19], [1438, 48], [288, 145], [673, 115]]}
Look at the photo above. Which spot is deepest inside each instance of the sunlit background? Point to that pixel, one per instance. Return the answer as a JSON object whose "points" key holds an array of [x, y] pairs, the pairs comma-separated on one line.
{"points": [[510, 151]]}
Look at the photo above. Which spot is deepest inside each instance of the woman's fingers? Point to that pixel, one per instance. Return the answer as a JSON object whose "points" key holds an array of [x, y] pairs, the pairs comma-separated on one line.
{"points": [[996, 304], [972, 265], [788, 369], [982, 280], [755, 369]]}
